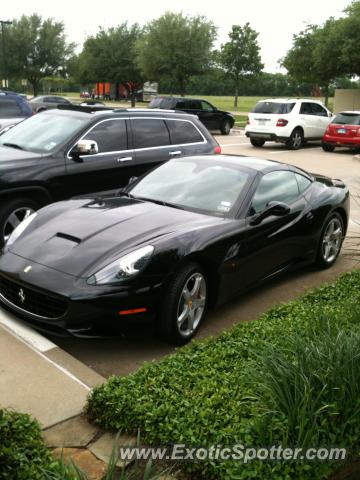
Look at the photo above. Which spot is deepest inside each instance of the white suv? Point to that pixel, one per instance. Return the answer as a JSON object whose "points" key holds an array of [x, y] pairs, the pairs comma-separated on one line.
{"points": [[291, 121]]}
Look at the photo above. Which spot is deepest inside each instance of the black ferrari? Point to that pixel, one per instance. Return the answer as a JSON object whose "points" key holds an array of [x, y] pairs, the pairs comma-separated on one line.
{"points": [[189, 235]]}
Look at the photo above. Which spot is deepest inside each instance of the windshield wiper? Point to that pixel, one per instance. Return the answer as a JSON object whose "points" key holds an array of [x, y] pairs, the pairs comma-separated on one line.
{"points": [[160, 202], [12, 145]]}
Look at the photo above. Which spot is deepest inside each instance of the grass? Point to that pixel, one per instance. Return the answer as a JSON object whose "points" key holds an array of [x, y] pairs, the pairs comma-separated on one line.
{"points": [[289, 378]]}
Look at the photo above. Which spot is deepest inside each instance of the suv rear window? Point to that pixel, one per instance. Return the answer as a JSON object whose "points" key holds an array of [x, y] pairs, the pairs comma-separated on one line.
{"points": [[273, 107], [164, 103], [183, 132], [9, 108], [347, 119]]}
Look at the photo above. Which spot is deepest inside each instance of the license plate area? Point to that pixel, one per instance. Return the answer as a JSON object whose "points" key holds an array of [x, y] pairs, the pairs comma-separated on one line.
{"points": [[341, 131]]}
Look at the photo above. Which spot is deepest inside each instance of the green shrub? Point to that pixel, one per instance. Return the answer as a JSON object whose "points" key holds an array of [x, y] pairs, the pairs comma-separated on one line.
{"points": [[23, 455], [206, 393]]}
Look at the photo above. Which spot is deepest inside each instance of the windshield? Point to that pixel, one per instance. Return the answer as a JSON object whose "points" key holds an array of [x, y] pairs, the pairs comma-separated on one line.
{"points": [[43, 132], [194, 184], [273, 107], [347, 119]]}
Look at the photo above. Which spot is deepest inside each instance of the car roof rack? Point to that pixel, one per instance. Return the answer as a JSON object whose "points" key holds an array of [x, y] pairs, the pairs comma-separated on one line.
{"points": [[84, 108]]}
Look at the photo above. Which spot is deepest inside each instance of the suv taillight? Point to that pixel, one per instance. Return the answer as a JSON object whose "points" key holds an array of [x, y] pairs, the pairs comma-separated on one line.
{"points": [[217, 149], [282, 122]]}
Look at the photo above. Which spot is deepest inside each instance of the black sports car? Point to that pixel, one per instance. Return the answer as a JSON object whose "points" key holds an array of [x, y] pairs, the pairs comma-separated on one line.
{"points": [[190, 234]]}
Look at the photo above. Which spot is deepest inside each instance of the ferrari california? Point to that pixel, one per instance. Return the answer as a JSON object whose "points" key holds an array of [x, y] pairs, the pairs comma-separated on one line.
{"points": [[190, 235]]}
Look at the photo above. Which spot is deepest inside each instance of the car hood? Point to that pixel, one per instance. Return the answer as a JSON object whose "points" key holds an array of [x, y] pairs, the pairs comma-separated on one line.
{"points": [[5, 122], [81, 236], [9, 155]]}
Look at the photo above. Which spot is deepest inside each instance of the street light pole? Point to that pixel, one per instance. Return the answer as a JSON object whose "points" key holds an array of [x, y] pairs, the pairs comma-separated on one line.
{"points": [[4, 22]]}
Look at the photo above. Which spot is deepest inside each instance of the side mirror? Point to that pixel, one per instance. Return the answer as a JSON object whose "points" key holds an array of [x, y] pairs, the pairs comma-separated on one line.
{"points": [[84, 147], [278, 209]]}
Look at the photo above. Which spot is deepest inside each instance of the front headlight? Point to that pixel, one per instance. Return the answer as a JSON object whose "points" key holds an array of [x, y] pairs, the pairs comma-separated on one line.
{"points": [[123, 268], [19, 230]]}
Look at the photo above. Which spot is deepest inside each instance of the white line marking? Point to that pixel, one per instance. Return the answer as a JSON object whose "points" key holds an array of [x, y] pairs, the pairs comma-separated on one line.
{"points": [[30, 336], [222, 145], [42, 355]]}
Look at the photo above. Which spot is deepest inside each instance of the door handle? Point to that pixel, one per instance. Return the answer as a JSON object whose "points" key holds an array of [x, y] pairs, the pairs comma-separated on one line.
{"points": [[176, 152], [124, 159]]}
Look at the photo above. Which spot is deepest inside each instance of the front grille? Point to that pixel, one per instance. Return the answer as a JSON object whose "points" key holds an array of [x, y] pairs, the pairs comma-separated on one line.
{"points": [[31, 300]]}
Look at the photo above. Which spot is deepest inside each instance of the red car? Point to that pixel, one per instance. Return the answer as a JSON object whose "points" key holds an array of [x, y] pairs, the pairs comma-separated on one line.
{"points": [[343, 131]]}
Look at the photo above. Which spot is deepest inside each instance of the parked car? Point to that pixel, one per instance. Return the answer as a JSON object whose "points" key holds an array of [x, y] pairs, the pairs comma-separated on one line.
{"points": [[211, 117], [13, 109], [84, 94], [290, 121], [190, 234], [47, 102], [76, 150], [343, 131]]}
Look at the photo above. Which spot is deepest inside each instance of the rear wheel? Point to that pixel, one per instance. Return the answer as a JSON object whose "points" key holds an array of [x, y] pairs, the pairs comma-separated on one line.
{"points": [[184, 305], [330, 241], [296, 139], [327, 148], [12, 214], [225, 127], [257, 142]]}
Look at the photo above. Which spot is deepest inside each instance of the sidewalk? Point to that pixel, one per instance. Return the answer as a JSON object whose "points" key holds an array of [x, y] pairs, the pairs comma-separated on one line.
{"points": [[39, 378]]}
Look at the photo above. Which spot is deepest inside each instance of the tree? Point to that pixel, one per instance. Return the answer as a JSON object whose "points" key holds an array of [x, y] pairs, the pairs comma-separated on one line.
{"points": [[240, 56], [36, 49], [110, 56], [176, 47], [316, 55]]}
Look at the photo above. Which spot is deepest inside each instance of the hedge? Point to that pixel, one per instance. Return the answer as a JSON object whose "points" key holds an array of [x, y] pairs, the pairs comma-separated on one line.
{"points": [[221, 391]]}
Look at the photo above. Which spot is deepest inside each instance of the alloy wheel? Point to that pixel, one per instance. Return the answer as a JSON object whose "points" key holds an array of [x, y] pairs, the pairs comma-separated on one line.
{"points": [[14, 219], [191, 305], [332, 239]]}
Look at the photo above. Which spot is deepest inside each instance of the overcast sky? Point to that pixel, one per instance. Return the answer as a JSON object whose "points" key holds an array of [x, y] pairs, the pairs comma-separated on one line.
{"points": [[275, 20]]}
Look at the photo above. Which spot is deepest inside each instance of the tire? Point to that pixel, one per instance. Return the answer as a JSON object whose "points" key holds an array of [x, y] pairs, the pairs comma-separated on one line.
{"points": [[175, 305], [13, 212], [327, 148], [225, 127], [295, 140], [257, 142], [330, 243]]}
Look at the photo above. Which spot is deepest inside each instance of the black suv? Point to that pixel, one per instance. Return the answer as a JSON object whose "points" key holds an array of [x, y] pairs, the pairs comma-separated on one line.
{"points": [[78, 150], [210, 116]]}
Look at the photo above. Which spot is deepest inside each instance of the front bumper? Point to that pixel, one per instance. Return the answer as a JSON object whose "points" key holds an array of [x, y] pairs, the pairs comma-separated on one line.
{"points": [[341, 141], [59, 303]]}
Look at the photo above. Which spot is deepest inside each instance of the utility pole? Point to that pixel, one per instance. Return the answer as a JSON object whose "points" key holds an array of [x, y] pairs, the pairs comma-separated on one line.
{"points": [[5, 80]]}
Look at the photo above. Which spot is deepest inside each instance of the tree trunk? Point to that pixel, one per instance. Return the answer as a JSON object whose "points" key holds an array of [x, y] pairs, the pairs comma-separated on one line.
{"points": [[35, 86], [236, 93], [326, 94], [133, 98], [182, 87]]}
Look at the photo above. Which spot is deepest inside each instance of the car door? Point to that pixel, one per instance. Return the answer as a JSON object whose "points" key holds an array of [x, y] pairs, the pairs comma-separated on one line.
{"points": [[108, 169], [151, 140], [277, 241], [308, 120], [321, 119]]}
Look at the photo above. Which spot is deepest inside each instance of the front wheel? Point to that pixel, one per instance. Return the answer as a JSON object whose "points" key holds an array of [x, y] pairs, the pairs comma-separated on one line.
{"points": [[12, 214], [225, 127], [296, 139], [257, 142], [184, 305], [327, 148], [330, 241]]}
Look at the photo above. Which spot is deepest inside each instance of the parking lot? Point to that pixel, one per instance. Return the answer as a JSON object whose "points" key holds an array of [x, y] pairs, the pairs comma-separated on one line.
{"points": [[122, 355]]}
